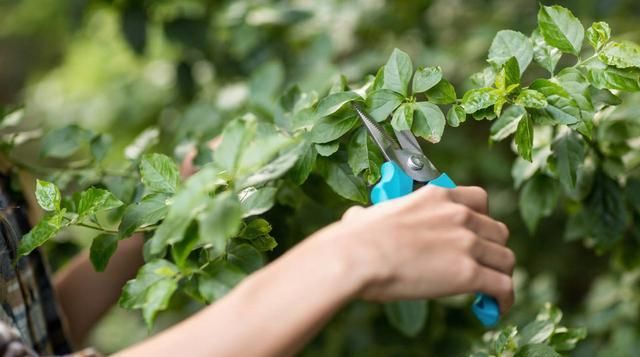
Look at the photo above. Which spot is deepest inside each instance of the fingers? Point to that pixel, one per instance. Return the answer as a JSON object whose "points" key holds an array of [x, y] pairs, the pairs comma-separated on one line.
{"points": [[472, 197], [487, 227], [494, 256], [497, 285]]}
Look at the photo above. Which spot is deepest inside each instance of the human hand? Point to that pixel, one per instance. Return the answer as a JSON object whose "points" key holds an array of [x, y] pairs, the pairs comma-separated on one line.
{"points": [[432, 243]]}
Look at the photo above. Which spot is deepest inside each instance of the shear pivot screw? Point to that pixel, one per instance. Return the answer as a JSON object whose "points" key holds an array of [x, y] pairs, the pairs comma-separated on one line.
{"points": [[415, 163]]}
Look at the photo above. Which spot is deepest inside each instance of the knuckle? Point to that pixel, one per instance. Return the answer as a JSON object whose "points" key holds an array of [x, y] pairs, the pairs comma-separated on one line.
{"points": [[468, 240], [510, 259], [438, 193], [461, 214], [467, 271], [504, 231]]}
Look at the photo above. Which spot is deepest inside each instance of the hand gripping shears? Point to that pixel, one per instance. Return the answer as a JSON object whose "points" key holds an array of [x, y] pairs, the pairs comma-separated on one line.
{"points": [[407, 167]]}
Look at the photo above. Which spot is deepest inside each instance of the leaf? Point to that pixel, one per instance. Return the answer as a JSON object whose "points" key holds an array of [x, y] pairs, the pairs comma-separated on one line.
{"points": [[331, 103], [620, 54], [99, 146], [381, 103], [236, 136], [605, 211], [333, 127], [135, 290], [428, 121], [363, 155], [506, 340], [456, 115], [538, 199], [537, 331], [561, 29], [342, 181], [561, 107], [157, 299], [615, 79], [407, 316], [274, 169], [94, 200], [426, 78], [569, 152], [507, 123], [397, 72], [507, 44], [149, 210], [264, 243], [442, 93], [303, 166], [46, 229], [63, 142], [220, 220], [219, 281], [245, 256], [403, 117], [327, 149], [257, 201], [537, 350], [255, 228], [598, 34], [477, 99], [545, 55], [102, 248], [567, 340], [159, 174], [530, 98], [524, 137], [48, 196]]}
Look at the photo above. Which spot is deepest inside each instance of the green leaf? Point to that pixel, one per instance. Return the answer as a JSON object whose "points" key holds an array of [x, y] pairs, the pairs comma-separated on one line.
{"points": [[442, 93], [63, 142], [407, 316], [236, 136], [94, 200], [598, 34], [364, 156], [537, 331], [257, 201], [530, 98], [46, 229], [561, 107], [48, 196], [428, 121], [245, 256], [605, 211], [134, 292], [180, 250], [331, 103], [340, 178], [99, 146], [149, 210], [327, 149], [220, 220], [507, 123], [397, 72], [426, 78], [159, 173], [157, 299], [537, 350], [545, 55], [102, 248], [456, 115], [569, 152], [275, 168], [538, 199], [561, 29], [255, 228], [304, 165], [524, 137], [333, 127], [403, 117], [264, 243], [567, 340], [381, 103], [507, 44], [620, 54], [615, 79], [506, 340], [477, 99], [219, 281]]}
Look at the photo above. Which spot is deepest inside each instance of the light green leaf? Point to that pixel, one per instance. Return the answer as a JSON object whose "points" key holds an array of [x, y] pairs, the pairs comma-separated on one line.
{"points": [[561, 106], [257, 201], [157, 299], [397, 72], [403, 117], [615, 79], [236, 136], [134, 292], [219, 281], [333, 127], [567, 340], [220, 220], [524, 137], [102, 248], [537, 331], [506, 340], [598, 34], [442, 93], [507, 123], [255, 228], [63, 142], [159, 173], [381, 103], [507, 44], [304, 165], [426, 78], [620, 54], [327, 149], [340, 178], [245, 256], [363, 155], [545, 55], [456, 115], [46, 229], [536, 350], [538, 199], [428, 121], [275, 168], [149, 210], [407, 316], [561, 29], [569, 152], [48, 196], [264, 243], [530, 98], [477, 99], [94, 200], [331, 103], [99, 146]]}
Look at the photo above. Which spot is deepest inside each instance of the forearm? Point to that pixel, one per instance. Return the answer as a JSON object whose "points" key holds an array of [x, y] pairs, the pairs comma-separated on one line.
{"points": [[83, 310], [275, 311]]}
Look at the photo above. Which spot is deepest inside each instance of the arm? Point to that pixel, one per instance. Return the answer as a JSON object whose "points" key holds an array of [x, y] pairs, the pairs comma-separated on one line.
{"points": [[397, 250], [83, 310]]}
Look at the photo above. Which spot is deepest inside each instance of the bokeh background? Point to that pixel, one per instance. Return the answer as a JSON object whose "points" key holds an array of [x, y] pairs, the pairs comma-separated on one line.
{"points": [[170, 73]]}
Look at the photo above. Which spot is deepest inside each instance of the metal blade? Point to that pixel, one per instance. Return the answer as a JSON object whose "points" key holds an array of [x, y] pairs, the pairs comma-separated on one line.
{"points": [[386, 143]]}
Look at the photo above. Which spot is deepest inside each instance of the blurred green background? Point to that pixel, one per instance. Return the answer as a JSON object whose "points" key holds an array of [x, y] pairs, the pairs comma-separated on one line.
{"points": [[171, 73]]}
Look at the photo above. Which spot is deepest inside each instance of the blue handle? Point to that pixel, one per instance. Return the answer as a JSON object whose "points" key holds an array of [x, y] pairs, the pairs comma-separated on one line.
{"points": [[395, 183]]}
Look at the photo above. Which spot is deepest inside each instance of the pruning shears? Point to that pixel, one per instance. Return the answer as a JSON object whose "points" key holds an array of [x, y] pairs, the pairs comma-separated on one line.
{"points": [[407, 167]]}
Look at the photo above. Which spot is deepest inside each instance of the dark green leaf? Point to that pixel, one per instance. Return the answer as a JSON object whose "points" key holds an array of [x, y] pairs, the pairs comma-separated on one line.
{"points": [[340, 178], [605, 211], [569, 153], [63, 142], [538, 199], [220, 280], [48, 196], [403, 117], [264, 243], [102, 248], [303, 166], [220, 220], [334, 127], [397, 72], [524, 137], [561, 29], [598, 34], [255, 228], [537, 350], [561, 107], [94, 200], [363, 155], [331, 103], [159, 174], [46, 229], [507, 44], [428, 121], [134, 292], [382, 102], [567, 340], [442, 93], [257, 201], [157, 299], [150, 210], [425, 78], [456, 115], [545, 55], [245, 256], [99, 146], [407, 316]]}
